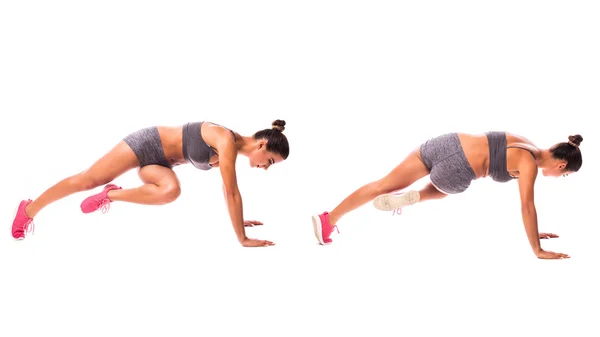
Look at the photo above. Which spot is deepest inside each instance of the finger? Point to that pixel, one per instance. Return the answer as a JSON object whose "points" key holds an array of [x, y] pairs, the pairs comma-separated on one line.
{"points": [[559, 256], [550, 235]]}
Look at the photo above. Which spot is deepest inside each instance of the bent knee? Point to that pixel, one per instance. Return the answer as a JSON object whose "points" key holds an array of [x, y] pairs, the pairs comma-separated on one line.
{"points": [[169, 193]]}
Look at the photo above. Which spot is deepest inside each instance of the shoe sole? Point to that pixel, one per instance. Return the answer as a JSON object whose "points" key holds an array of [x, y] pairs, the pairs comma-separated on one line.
{"points": [[390, 202], [318, 227]]}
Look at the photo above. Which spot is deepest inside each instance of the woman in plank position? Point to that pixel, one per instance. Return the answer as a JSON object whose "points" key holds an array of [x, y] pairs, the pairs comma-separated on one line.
{"points": [[452, 161], [155, 150]]}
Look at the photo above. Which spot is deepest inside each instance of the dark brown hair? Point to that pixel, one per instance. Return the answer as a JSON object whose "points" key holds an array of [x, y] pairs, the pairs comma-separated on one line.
{"points": [[276, 141], [569, 152]]}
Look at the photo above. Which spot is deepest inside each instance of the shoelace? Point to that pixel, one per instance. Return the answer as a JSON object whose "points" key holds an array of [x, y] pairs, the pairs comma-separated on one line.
{"points": [[104, 205], [29, 227]]}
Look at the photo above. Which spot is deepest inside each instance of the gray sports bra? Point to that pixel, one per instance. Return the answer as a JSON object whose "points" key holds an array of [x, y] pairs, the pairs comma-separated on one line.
{"points": [[195, 149]]}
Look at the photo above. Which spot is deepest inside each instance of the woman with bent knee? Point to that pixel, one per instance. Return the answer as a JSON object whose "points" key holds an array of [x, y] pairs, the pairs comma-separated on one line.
{"points": [[155, 150], [452, 161]]}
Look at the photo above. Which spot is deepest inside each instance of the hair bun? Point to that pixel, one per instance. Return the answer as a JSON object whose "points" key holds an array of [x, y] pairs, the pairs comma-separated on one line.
{"points": [[576, 140], [278, 125]]}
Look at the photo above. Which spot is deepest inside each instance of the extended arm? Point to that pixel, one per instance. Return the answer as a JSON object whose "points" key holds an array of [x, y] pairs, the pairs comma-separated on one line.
{"points": [[527, 176], [233, 199]]}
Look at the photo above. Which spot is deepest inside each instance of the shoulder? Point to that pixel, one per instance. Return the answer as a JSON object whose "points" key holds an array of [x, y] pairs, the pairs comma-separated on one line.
{"points": [[216, 135], [526, 164], [513, 139]]}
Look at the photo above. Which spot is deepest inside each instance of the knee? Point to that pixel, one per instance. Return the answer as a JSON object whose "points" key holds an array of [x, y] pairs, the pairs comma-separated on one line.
{"points": [[169, 193]]}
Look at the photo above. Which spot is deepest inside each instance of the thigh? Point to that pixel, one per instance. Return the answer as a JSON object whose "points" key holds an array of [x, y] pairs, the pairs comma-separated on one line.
{"points": [[158, 175], [117, 161], [405, 174], [430, 192]]}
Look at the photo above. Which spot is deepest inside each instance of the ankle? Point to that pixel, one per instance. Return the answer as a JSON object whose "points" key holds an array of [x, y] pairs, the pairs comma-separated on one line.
{"points": [[333, 218], [29, 211], [112, 194]]}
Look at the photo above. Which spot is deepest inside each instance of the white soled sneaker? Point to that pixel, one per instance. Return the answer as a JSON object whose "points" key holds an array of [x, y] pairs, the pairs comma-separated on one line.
{"points": [[392, 202]]}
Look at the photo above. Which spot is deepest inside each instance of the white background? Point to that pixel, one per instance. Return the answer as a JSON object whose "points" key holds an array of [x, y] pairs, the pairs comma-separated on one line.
{"points": [[360, 85]]}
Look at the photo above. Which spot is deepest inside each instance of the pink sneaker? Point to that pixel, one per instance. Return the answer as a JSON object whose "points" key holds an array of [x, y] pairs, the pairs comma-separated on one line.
{"points": [[98, 201], [322, 228], [22, 224]]}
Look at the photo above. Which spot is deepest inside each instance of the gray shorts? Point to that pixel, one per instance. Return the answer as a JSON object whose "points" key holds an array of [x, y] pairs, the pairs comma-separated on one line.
{"points": [[147, 147], [450, 171]]}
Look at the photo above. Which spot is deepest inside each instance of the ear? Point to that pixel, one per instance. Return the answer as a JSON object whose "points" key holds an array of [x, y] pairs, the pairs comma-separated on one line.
{"points": [[262, 144], [562, 164]]}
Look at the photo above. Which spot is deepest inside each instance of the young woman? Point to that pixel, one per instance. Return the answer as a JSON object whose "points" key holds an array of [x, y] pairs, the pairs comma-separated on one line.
{"points": [[155, 150], [452, 161]]}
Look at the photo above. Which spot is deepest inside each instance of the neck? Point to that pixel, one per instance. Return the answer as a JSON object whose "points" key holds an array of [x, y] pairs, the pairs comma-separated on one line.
{"points": [[245, 145], [545, 159]]}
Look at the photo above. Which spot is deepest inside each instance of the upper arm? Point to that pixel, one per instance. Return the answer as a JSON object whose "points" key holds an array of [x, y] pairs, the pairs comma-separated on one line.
{"points": [[227, 150], [527, 174]]}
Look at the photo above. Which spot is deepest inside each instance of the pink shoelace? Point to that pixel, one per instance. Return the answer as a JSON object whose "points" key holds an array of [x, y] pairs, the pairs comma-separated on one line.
{"points": [[104, 205], [29, 226]]}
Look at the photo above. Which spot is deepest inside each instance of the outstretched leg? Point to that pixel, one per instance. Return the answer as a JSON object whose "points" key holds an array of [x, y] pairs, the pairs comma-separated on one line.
{"points": [[117, 161], [405, 174], [113, 164]]}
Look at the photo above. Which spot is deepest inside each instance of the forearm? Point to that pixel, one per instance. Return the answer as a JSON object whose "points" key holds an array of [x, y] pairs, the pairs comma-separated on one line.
{"points": [[236, 214], [531, 226]]}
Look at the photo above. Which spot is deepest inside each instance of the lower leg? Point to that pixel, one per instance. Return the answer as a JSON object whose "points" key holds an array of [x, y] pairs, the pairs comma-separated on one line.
{"points": [[147, 194], [358, 198], [114, 163], [60, 190], [161, 186]]}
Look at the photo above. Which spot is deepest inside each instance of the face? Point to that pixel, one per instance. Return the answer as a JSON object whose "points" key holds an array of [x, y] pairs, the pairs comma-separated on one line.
{"points": [[556, 170], [261, 158]]}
